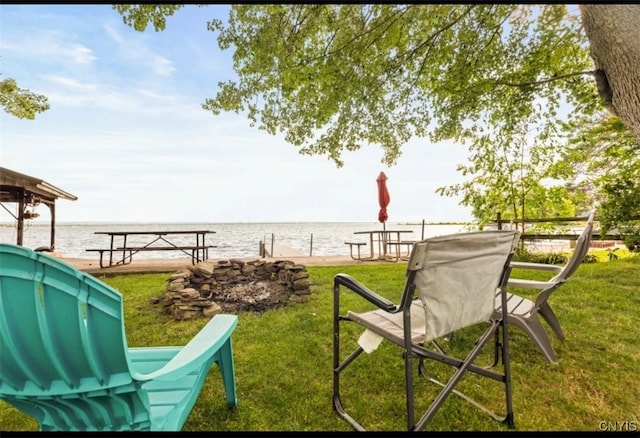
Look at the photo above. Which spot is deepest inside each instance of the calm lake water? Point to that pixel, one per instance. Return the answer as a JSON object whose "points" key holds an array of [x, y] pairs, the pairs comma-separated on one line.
{"points": [[232, 239]]}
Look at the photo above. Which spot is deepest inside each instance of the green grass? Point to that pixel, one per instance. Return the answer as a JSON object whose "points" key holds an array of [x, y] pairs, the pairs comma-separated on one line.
{"points": [[283, 360]]}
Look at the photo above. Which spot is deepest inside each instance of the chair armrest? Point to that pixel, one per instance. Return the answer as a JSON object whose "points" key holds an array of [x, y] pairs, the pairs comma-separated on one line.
{"points": [[366, 293], [536, 266], [200, 348], [529, 284]]}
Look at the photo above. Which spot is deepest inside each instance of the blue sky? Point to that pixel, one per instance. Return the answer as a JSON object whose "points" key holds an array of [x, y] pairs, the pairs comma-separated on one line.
{"points": [[126, 133]]}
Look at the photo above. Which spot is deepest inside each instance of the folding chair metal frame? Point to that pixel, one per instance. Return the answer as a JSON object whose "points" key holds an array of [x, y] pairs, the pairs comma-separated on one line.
{"points": [[419, 347]]}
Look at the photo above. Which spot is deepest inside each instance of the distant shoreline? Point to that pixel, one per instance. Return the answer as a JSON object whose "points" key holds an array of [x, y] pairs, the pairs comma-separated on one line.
{"points": [[437, 223], [47, 223]]}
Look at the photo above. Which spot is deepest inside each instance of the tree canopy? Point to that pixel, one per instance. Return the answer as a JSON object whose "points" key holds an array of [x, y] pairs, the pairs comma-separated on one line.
{"points": [[604, 159], [336, 77]]}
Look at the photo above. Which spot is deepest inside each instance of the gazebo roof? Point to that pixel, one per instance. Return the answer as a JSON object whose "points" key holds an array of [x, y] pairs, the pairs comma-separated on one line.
{"points": [[27, 190], [15, 185]]}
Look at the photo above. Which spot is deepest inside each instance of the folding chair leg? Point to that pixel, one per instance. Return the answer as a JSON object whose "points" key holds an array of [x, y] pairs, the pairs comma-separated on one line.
{"points": [[338, 367], [496, 350], [449, 387]]}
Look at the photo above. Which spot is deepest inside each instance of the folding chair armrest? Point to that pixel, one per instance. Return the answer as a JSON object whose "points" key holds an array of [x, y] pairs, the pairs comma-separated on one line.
{"points": [[366, 293], [536, 266], [199, 349]]}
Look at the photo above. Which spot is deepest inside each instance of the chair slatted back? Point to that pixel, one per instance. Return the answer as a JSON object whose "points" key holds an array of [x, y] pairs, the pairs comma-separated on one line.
{"points": [[64, 330], [62, 344], [580, 251]]}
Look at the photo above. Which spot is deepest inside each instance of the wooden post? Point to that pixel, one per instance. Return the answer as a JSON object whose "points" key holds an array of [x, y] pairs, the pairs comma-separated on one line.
{"points": [[273, 238], [499, 221], [21, 205], [52, 212]]}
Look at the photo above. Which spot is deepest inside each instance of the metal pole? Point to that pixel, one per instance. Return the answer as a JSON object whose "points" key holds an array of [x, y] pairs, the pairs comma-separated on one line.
{"points": [[52, 211], [311, 246], [21, 205]]}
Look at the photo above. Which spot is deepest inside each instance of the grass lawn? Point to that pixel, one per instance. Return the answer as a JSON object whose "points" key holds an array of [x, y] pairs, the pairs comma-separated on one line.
{"points": [[283, 360]]}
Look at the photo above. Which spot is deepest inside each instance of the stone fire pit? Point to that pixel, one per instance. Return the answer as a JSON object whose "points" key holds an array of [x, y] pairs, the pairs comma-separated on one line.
{"points": [[233, 286]]}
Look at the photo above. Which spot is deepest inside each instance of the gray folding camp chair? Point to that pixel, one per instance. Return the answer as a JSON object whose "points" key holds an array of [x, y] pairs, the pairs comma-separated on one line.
{"points": [[524, 312], [450, 285]]}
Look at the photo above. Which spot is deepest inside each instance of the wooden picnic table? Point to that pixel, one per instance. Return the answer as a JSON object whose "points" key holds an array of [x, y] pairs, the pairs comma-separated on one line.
{"points": [[159, 242]]}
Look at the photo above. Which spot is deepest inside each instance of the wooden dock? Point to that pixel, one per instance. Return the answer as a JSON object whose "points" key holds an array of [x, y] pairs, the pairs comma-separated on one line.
{"points": [[280, 251]]}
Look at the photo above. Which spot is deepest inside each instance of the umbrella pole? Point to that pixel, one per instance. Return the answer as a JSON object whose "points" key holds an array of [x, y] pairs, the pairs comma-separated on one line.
{"points": [[384, 240]]}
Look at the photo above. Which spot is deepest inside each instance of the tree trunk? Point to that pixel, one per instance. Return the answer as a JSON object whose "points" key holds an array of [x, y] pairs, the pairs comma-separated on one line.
{"points": [[613, 31]]}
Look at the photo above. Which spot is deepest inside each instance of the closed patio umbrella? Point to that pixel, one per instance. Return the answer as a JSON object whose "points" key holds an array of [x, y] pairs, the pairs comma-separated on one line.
{"points": [[383, 198]]}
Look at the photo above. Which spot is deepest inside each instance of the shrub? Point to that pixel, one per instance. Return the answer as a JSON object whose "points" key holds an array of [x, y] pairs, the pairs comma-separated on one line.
{"points": [[524, 255], [591, 258]]}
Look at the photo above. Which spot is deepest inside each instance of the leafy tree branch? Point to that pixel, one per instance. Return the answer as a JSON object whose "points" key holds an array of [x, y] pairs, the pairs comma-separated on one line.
{"points": [[21, 102]]}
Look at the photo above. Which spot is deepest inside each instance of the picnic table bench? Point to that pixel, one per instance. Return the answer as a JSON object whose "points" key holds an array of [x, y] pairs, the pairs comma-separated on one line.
{"points": [[357, 245], [124, 252]]}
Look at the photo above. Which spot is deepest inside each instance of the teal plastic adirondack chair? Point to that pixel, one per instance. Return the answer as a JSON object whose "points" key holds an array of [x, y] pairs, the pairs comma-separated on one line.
{"points": [[64, 357]]}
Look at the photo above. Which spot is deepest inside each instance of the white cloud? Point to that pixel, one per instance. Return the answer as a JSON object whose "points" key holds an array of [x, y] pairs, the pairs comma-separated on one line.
{"points": [[80, 54], [161, 65], [113, 33], [135, 52], [67, 82], [50, 45]]}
